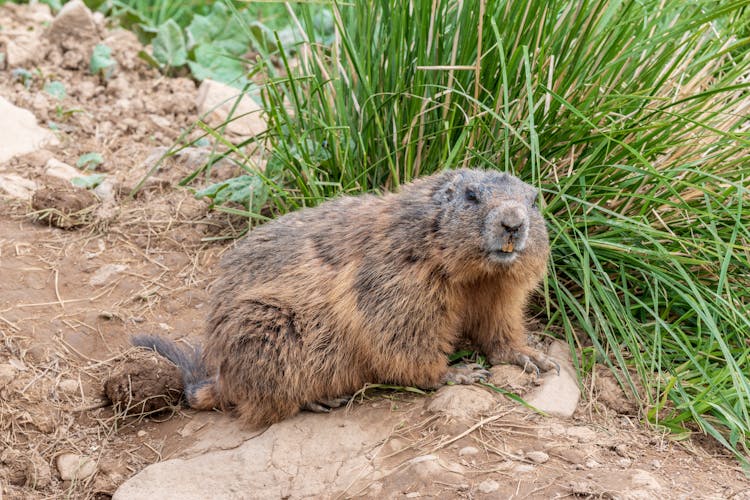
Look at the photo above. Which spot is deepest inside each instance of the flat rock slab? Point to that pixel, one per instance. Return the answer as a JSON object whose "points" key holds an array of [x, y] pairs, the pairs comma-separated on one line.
{"points": [[559, 394], [309, 455], [21, 134]]}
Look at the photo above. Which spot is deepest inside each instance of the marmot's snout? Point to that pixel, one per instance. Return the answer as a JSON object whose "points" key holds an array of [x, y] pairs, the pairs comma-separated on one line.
{"points": [[506, 231]]}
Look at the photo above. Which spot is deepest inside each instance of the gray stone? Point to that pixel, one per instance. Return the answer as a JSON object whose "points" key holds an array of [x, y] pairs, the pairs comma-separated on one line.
{"points": [[61, 170], [461, 401], [214, 102], [488, 486], [17, 187], [538, 457], [467, 451], [22, 50], [73, 20], [21, 134], [559, 394], [104, 274], [69, 386], [581, 433], [309, 455], [75, 467], [7, 374]]}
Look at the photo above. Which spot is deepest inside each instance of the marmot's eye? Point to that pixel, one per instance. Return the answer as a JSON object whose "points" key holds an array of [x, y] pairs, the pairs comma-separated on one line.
{"points": [[471, 196]]}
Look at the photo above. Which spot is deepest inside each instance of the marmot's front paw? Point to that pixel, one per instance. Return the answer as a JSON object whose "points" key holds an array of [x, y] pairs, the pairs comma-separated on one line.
{"points": [[527, 358], [465, 373], [327, 405]]}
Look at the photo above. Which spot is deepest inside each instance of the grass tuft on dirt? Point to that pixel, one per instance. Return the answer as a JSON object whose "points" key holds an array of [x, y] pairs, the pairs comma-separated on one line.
{"points": [[630, 116]]}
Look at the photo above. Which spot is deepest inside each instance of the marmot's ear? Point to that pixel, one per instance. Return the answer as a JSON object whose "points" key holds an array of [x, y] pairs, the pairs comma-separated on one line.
{"points": [[449, 186]]}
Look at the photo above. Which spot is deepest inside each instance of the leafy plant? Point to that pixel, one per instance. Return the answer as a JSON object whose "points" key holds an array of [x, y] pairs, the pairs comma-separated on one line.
{"points": [[56, 89], [88, 181], [102, 63], [89, 161]]}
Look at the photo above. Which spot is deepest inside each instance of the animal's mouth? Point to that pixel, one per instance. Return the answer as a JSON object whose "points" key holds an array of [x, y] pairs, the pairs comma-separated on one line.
{"points": [[504, 254]]}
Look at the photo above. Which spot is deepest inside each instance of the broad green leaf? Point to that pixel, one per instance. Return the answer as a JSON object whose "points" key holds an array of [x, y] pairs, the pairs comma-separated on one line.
{"points": [[88, 181], [89, 161], [102, 62], [56, 89], [247, 190], [169, 45], [210, 63]]}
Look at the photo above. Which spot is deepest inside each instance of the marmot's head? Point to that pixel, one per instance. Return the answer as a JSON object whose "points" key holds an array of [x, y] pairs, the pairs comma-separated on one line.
{"points": [[490, 217]]}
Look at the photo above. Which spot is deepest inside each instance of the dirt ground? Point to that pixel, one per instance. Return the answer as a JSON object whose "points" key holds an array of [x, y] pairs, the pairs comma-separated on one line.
{"points": [[70, 298]]}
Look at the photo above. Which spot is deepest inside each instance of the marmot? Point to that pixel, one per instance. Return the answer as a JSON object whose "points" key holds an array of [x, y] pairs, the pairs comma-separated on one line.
{"points": [[313, 305]]}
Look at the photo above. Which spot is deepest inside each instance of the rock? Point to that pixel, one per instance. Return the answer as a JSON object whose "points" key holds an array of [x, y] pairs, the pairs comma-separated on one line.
{"points": [[296, 458], [592, 464], [21, 134], [7, 374], [581, 433], [61, 170], [559, 394], [523, 468], [69, 386], [22, 50], [538, 457], [467, 451], [107, 191], [461, 401], [73, 21], [624, 462], [428, 467], [104, 274], [74, 467], [488, 486], [215, 100], [16, 186]]}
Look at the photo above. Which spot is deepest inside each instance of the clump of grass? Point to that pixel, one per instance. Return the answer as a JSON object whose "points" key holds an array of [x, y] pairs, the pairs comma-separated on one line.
{"points": [[632, 117]]}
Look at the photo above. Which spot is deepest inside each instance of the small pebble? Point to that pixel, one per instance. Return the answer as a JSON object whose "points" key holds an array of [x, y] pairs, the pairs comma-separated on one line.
{"points": [[522, 468], [413, 494], [489, 486], [592, 464], [582, 434], [69, 386], [624, 462], [467, 450], [7, 374], [75, 467], [141, 433], [538, 457]]}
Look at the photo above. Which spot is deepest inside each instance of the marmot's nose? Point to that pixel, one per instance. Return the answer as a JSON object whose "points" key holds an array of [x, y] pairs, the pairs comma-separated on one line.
{"points": [[512, 218], [512, 229]]}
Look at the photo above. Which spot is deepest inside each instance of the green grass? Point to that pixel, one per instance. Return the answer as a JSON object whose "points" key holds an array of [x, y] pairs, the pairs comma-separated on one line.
{"points": [[631, 116]]}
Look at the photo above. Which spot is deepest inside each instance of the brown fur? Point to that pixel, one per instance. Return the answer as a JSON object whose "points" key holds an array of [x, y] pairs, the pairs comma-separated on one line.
{"points": [[379, 289]]}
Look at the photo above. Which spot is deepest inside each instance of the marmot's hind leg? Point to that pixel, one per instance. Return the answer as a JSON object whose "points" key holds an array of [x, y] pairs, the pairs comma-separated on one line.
{"points": [[258, 349]]}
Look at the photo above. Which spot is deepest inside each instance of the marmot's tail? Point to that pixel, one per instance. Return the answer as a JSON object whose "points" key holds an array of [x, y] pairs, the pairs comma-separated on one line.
{"points": [[200, 387]]}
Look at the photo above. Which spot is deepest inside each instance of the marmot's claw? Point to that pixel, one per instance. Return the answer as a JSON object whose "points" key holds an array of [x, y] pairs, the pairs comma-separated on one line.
{"points": [[315, 407], [336, 402], [326, 405], [528, 365], [466, 373]]}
